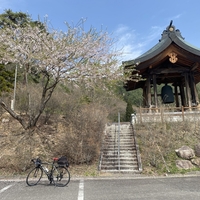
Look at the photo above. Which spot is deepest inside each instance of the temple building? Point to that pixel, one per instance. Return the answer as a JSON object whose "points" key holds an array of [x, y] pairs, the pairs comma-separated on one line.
{"points": [[172, 63]]}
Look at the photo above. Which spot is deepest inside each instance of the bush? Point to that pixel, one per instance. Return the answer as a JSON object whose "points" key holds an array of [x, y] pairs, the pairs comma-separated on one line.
{"points": [[82, 140], [129, 111]]}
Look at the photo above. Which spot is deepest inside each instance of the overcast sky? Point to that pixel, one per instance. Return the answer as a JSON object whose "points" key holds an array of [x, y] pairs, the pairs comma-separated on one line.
{"points": [[137, 25]]}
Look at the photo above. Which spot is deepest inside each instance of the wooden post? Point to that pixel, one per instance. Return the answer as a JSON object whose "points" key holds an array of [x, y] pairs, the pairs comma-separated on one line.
{"points": [[183, 100], [155, 91], [149, 92], [140, 115], [194, 89], [191, 84], [144, 96], [182, 110], [188, 92], [162, 115], [176, 96]]}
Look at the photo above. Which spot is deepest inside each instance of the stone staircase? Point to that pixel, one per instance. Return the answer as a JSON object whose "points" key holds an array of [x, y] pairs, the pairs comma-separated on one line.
{"points": [[120, 152]]}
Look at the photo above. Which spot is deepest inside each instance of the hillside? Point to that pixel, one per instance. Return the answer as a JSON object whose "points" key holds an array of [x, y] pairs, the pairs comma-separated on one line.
{"points": [[53, 139], [158, 142]]}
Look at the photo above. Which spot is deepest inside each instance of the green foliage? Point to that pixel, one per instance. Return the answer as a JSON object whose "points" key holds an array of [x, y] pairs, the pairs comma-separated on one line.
{"points": [[134, 96], [6, 79], [10, 18], [129, 111]]}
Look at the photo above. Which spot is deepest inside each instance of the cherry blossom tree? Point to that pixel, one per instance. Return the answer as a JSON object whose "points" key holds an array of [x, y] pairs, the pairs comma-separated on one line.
{"points": [[56, 55]]}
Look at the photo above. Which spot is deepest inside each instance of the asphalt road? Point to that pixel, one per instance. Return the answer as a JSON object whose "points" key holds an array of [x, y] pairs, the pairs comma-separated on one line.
{"points": [[169, 188]]}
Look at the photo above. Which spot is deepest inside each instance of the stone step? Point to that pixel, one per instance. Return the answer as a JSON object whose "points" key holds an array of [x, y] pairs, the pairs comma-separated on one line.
{"points": [[121, 158], [122, 151], [124, 171], [121, 135], [123, 141], [115, 142], [121, 147], [115, 153], [107, 163], [128, 153], [116, 167], [111, 155], [118, 135], [122, 165], [120, 140], [116, 145], [116, 139]]}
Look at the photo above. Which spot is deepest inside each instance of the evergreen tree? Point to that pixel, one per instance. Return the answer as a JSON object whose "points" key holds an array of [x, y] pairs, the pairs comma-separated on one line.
{"points": [[11, 19], [6, 79], [129, 111]]}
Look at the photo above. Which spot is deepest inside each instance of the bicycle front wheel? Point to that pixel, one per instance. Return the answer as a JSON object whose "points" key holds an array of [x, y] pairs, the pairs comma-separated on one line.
{"points": [[34, 176], [61, 176]]}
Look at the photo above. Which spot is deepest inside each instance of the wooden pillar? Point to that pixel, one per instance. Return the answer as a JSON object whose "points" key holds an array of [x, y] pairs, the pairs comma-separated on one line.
{"points": [[196, 94], [195, 97], [183, 99], [191, 84], [176, 95], [149, 91], [188, 92], [155, 91], [144, 96]]}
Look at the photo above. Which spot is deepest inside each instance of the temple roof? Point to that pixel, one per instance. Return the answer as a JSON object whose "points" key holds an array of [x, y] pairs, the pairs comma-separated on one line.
{"points": [[170, 58]]}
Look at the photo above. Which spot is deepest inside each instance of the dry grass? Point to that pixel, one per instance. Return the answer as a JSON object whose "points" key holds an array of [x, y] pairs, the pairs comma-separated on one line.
{"points": [[80, 142], [158, 141], [79, 139]]}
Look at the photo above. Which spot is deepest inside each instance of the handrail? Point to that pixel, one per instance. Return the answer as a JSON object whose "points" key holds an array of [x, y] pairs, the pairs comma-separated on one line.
{"points": [[137, 150], [161, 109], [119, 141], [181, 112]]}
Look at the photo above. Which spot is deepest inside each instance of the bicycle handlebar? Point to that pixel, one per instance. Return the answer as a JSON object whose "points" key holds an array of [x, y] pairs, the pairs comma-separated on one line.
{"points": [[37, 161]]}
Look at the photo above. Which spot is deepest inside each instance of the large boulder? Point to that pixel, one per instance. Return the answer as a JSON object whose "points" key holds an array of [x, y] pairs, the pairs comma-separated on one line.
{"points": [[185, 152], [196, 162], [197, 150], [184, 164]]}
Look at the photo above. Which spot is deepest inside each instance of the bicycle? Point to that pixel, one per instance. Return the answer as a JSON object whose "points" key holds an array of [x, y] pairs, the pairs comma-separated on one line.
{"points": [[58, 174]]}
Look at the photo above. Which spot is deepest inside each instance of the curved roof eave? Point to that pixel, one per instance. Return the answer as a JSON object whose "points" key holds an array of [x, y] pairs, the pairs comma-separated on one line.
{"points": [[168, 37], [159, 47], [187, 46]]}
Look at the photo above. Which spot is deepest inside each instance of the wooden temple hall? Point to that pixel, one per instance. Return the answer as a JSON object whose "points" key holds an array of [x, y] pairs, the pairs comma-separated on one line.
{"points": [[173, 64]]}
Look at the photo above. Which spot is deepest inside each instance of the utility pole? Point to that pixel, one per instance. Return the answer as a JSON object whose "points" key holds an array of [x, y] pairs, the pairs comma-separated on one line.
{"points": [[15, 84]]}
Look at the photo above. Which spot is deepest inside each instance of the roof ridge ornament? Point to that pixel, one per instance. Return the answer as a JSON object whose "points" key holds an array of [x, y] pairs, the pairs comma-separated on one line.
{"points": [[171, 29]]}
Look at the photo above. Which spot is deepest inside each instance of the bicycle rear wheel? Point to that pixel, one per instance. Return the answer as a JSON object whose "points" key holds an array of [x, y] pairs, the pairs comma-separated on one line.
{"points": [[61, 176], [34, 176]]}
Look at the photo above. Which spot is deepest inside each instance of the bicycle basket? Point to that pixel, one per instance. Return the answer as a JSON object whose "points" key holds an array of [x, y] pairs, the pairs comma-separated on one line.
{"points": [[62, 161], [37, 162]]}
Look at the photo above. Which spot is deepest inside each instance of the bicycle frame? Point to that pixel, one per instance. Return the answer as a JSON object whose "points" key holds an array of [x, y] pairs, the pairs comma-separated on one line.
{"points": [[56, 174], [48, 173]]}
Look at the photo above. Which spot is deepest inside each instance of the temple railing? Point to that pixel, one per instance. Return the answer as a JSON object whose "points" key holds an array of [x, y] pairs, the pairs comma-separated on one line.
{"points": [[166, 114]]}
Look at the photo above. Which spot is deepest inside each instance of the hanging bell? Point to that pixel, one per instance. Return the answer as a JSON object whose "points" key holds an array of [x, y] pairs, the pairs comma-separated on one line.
{"points": [[167, 94]]}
